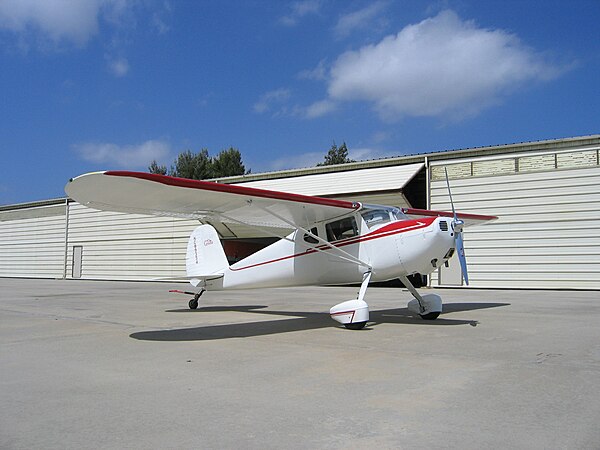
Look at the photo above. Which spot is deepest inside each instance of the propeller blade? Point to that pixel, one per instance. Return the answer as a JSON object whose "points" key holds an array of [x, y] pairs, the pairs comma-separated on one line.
{"points": [[450, 194], [457, 226], [460, 249]]}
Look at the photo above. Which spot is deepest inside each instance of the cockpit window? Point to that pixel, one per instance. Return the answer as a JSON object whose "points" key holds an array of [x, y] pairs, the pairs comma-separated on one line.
{"points": [[373, 217], [341, 229]]}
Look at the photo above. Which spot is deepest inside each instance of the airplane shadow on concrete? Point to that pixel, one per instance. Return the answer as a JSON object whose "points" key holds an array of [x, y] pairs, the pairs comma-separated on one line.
{"points": [[298, 321]]}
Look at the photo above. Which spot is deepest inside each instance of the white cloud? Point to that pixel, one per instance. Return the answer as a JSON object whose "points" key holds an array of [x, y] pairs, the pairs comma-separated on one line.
{"points": [[51, 24], [119, 67], [363, 18], [442, 66], [311, 159], [271, 99], [299, 10], [302, 160], [319, 109], [318, 73], [126, 156], [73, 21], [367, 153], [159, 24]]}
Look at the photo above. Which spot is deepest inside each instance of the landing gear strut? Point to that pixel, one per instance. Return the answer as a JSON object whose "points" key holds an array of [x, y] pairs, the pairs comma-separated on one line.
{"points": [[193, 303], [428, 307]]}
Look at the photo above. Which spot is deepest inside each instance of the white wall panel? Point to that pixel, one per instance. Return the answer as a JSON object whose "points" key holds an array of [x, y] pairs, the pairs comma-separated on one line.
{"points": [[334, 183], [548, 231], [32, 242], [122, 246]]}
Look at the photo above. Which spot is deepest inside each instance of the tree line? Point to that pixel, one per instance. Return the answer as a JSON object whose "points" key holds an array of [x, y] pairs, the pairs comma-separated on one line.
{"points": [[227, 163], [201, 166]]}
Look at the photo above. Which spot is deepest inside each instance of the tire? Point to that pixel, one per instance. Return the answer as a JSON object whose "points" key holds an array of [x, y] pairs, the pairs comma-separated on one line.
{"points": [[430, 316], [355, 325], [193, 304]]}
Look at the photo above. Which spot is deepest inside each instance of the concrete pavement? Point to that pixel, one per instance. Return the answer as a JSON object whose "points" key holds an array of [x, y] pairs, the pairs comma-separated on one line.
{"points": [[86, 364]]}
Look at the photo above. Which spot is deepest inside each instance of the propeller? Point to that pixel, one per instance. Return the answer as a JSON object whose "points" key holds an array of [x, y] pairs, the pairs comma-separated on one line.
{"points": [[457, 227]]}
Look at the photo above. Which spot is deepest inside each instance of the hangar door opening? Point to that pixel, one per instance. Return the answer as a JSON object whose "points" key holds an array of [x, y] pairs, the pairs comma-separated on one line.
{"points": [[547, 234]]}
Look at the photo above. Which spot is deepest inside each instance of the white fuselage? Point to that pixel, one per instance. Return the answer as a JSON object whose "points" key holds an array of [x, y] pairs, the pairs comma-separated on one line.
{"points": [[388, 250]]}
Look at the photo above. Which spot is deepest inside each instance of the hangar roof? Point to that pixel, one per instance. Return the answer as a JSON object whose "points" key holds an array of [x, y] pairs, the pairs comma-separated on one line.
{"points": [[363, 180], [550, 144]]}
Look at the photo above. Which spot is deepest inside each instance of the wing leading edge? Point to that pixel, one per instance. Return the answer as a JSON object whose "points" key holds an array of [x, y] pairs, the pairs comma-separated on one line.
{"points": [[160, 195]]}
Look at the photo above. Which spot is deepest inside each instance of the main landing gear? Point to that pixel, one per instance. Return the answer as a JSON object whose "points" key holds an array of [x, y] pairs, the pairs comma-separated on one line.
{"points": [[354, 314], [193, 303], [428, 307]]}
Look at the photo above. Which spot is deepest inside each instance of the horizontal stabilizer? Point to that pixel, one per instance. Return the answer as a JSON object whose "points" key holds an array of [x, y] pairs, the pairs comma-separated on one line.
{"points": [[212, 276]]}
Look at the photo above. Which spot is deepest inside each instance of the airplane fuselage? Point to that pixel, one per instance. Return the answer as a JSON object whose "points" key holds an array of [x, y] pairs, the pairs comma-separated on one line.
{"points": [[388, 250]]}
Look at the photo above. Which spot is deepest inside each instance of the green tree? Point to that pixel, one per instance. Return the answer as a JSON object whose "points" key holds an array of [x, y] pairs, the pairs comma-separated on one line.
{"points": [[195, 166], [155, 168], [200, 166], [228, 163], [336, 155]]}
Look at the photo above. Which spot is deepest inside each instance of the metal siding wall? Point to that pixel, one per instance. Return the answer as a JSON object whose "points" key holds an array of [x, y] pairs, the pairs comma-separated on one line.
{"points": [[120, 246], [32, 242], [336, 183], [547, 234], [389, 199]]}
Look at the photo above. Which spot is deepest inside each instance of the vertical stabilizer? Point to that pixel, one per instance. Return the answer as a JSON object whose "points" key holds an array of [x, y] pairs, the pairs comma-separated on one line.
{"points": [[205, 254]]}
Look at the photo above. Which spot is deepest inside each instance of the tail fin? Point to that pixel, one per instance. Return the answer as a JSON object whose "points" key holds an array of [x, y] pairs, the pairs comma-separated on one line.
{"points": [[205, 254]]}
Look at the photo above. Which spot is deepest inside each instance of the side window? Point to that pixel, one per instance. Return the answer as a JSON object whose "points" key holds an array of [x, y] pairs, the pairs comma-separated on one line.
{"points": [[341, 229], [308, 238]]}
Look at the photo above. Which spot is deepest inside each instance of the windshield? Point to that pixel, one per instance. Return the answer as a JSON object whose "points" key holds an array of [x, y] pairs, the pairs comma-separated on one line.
{"points": [[375, 215]]}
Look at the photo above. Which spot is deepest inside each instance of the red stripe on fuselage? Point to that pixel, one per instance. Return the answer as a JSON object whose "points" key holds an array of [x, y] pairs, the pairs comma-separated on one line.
{"points": [[388, 230]]}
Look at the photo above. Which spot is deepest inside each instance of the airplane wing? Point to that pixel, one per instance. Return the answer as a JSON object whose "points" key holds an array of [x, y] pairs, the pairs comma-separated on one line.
{"points": [[469, 219], [160, 195]]}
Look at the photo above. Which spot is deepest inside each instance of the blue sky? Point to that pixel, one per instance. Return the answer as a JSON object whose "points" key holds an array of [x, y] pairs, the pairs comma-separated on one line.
{"points": [[112, 84]]}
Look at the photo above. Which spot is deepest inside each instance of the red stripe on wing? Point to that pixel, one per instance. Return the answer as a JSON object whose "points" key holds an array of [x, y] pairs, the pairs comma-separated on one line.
{"points": [[233, 189]]}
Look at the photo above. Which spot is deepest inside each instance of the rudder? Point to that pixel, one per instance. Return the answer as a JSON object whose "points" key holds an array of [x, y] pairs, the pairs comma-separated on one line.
{"points": [[205, 254]]}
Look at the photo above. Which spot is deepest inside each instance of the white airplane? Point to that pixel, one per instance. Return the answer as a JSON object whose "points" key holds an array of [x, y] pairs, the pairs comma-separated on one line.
{"points": [[333, 242]]}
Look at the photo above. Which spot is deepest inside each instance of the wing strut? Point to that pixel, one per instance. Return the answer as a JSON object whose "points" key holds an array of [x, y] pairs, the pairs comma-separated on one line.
{"points": [[343, 255]]}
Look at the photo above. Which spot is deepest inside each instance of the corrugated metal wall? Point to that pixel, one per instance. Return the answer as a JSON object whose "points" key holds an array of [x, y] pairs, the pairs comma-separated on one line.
{"points": [[344, 182], [548, 233], [120, 246], [32, 242]]}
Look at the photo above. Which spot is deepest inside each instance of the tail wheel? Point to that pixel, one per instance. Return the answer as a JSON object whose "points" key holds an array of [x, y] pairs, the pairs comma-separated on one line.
{"points": [[193, 304]]}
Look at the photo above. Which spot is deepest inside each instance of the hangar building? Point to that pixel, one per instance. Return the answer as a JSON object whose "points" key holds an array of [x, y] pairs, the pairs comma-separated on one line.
{"points": [[546, 194]]}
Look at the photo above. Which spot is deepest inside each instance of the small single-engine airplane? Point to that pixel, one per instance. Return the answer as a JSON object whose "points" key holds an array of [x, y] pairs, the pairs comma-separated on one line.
{"points": [[333, 242]]}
